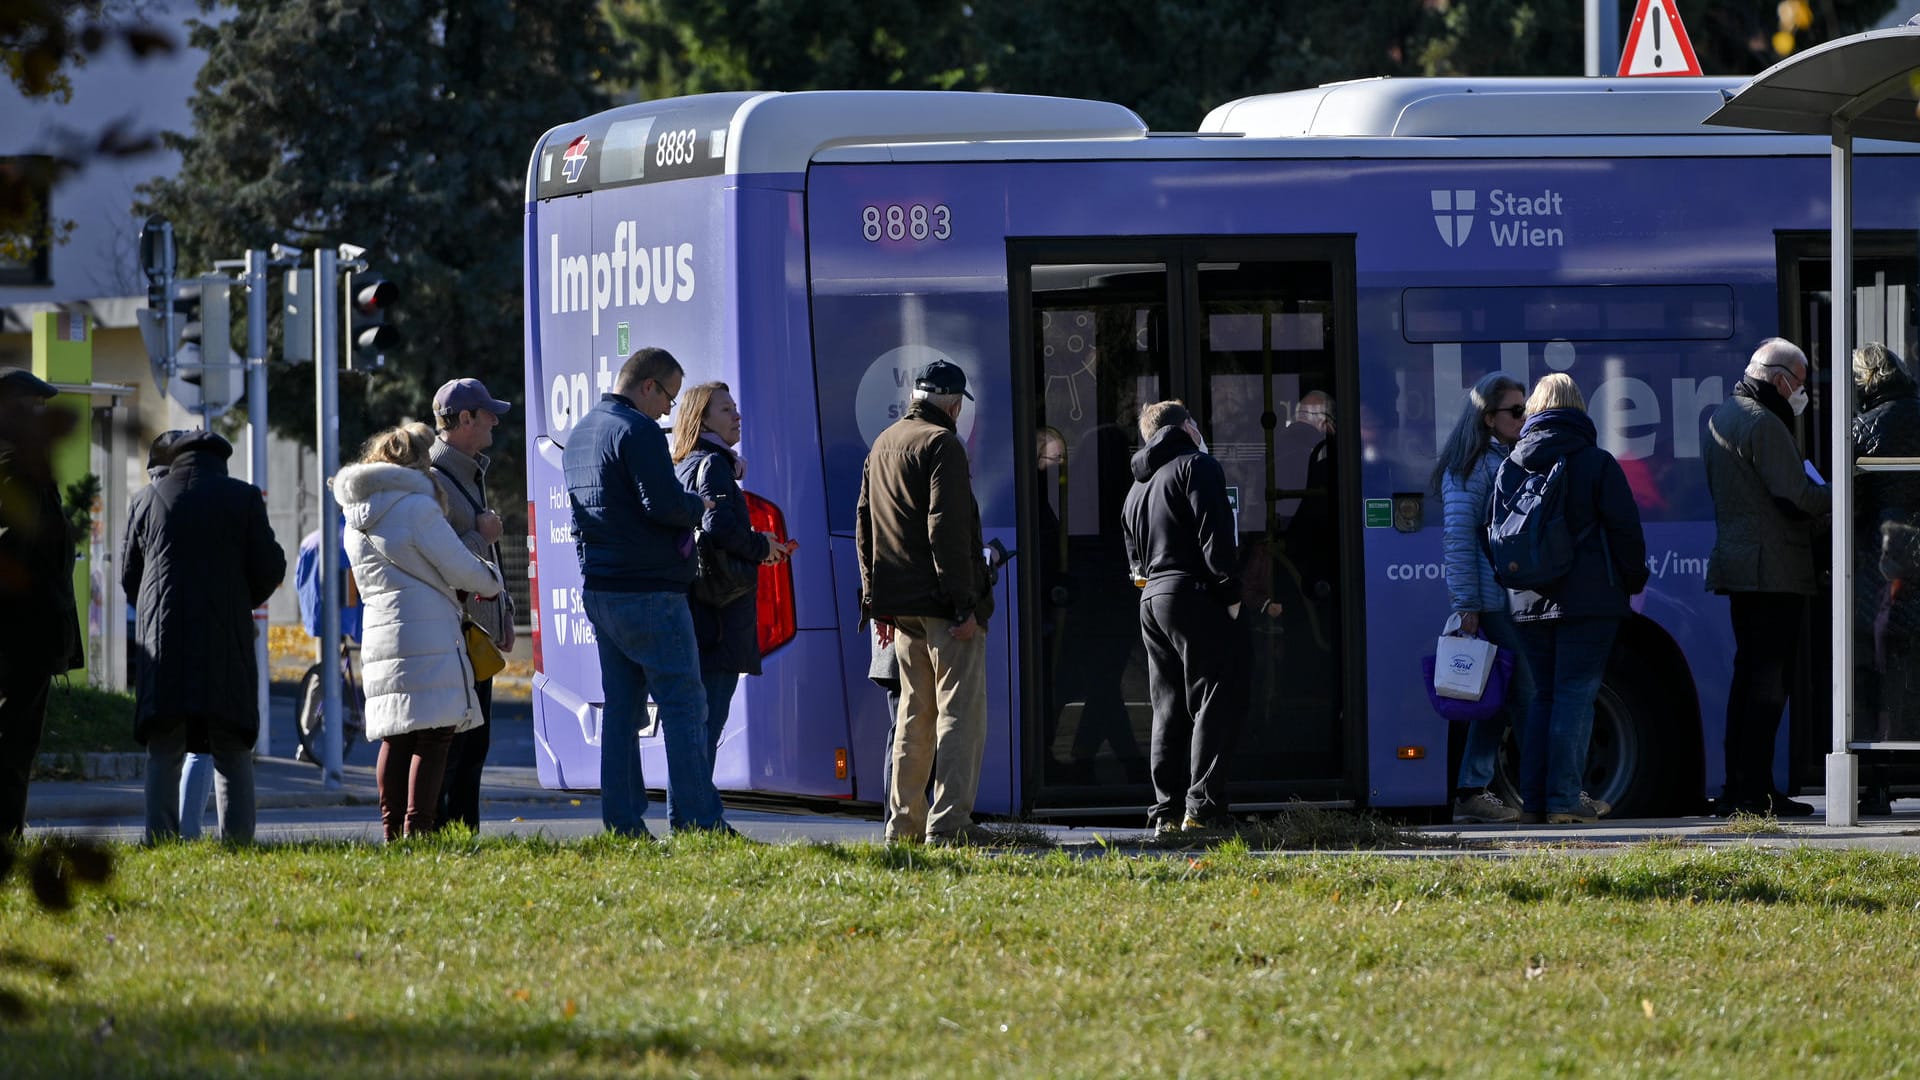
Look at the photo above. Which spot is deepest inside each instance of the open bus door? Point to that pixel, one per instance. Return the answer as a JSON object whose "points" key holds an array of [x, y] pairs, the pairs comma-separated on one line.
{"points": [[1886, 274], [1241, 330]]}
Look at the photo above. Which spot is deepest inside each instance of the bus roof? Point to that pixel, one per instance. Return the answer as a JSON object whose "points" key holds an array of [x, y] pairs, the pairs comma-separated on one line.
{"points": [[783, 133], [744, 133]]}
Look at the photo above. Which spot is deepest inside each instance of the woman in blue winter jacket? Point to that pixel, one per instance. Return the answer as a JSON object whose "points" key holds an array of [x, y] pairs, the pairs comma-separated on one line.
{"points": [[704, 435], [1488, 426], [1568, 627]]}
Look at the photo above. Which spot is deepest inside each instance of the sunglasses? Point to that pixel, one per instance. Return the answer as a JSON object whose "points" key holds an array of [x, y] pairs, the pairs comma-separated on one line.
{"points": [[1518, 412]]}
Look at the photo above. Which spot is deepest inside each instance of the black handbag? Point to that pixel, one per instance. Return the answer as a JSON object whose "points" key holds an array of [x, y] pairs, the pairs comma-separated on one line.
{"points": [[719, 578]]}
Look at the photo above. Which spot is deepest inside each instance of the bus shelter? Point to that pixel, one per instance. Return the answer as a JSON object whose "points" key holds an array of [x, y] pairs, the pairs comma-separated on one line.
{"points": [[1859, 87]]}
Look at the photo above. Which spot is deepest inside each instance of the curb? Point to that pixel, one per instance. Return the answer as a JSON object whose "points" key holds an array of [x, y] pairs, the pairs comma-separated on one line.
{"points": [[91, 766]]}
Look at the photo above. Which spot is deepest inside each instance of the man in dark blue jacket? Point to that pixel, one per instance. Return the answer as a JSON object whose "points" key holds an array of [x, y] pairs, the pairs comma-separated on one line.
{"points": [[634, 523], [1181, 546]]}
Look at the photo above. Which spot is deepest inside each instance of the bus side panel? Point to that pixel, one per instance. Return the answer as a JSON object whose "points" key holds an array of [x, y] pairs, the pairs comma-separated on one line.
{"points": [[796, 714], [882, 308]]}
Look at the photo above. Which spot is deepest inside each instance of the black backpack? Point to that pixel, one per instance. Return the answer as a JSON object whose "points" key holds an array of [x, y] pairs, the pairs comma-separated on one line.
{"points": [[1528, 540]]}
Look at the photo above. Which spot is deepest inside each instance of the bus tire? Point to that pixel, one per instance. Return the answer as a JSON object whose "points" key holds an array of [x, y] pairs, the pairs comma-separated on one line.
{"points": [[1636, 758]]}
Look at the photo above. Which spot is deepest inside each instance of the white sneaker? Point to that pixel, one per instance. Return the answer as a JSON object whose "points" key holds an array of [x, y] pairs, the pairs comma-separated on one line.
{"points": [[1485, 807]]}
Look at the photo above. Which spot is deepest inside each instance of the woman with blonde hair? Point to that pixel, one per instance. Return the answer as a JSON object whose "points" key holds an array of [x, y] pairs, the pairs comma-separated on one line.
{"points": [[704, 435], [1567, 626], [410, 566]]}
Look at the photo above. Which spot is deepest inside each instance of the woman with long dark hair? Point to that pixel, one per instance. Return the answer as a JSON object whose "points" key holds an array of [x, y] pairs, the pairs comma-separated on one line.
{"points": [[1488, 426], [705, 432]]}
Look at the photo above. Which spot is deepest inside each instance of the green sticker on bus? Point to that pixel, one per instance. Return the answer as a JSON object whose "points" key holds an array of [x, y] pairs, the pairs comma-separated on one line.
{"points": [[1379, 513], [623, 349]]}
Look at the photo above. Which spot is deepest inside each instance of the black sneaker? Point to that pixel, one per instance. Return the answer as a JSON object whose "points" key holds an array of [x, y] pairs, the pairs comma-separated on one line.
{"points": [[1876, 801], [1781, 806]]}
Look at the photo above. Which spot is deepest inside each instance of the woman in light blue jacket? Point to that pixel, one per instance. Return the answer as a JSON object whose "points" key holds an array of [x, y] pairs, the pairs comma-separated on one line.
{"points": [[1488, 425]]}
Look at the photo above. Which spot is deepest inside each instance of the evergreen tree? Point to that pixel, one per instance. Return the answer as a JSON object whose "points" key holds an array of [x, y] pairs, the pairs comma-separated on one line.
{"points": [[404, 126]]}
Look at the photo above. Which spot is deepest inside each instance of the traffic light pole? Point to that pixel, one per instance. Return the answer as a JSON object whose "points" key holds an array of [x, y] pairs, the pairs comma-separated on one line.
{"points": [[326, 357], [256, 282]]}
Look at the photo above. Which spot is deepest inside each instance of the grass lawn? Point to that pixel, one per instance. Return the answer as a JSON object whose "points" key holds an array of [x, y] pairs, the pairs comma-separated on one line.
{"points": [[81, 719], [709, 957]]}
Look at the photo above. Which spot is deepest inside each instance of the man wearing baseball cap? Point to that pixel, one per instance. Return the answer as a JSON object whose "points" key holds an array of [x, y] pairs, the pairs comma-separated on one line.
{"points": [[40, 633], [924, 578], [465, 415]]}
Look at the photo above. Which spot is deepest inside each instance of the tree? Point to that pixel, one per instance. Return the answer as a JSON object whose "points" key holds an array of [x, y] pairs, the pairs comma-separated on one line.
{"points": [[41, 41], [404, 126], [699, 46]]}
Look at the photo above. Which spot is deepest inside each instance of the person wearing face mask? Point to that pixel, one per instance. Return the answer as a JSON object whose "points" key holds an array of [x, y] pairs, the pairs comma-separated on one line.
{"points": [[1179, 532], [1766, 506]]}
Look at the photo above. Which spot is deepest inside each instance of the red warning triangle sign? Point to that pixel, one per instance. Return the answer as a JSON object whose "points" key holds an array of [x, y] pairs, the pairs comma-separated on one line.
{"points": [[1657, 43]]}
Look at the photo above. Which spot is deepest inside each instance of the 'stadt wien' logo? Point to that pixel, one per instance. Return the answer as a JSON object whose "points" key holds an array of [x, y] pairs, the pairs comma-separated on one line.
{"points": [[575, 159], [1453, 214]]}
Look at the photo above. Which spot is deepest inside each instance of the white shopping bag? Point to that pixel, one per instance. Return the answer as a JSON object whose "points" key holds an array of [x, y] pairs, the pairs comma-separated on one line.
{"points": [[1461, 665]]}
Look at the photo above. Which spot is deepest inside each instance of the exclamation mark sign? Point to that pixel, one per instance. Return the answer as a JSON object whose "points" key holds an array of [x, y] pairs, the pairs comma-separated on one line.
{"points": [[1659, 19]]}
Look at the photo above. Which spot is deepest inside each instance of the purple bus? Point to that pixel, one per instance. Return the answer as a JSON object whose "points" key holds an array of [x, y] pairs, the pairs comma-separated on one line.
{"points": [[1382, 243]]}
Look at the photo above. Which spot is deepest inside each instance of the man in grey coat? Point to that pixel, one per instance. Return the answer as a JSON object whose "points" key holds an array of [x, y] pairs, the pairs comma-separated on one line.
{"points": [[466, 414], [1766, 506]]}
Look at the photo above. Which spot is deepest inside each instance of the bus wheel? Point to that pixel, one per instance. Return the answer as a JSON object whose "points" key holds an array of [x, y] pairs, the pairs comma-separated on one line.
{"points": [[1630, 755]]}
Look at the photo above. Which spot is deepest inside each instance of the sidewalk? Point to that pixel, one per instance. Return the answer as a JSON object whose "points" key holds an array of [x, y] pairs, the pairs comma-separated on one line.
{"points": [[280, 783]]}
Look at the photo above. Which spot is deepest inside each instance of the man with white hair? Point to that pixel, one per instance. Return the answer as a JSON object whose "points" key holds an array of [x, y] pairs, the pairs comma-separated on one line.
{"points": [[1766, 506]]}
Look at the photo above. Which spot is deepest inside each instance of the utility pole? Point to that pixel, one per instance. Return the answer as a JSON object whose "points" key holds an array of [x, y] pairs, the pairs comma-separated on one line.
{"points": [[1603, 37], [326, 365], [256, 282]]}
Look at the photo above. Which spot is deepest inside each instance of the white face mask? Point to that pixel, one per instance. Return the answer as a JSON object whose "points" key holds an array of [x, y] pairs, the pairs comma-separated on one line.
{"points": [[1193, 431], [1798, 401]]}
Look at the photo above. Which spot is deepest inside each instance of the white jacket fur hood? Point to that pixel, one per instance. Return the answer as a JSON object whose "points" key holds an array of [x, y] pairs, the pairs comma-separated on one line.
{"points": [[408, 562]]}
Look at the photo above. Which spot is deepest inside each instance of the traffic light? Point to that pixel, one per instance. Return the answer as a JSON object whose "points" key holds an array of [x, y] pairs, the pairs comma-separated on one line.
{"points": [[190, 327], [370, 297]]}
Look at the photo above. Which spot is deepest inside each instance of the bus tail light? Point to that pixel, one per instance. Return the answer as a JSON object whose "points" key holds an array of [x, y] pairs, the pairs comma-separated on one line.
{"points": [[533, 587], [774, 614]]}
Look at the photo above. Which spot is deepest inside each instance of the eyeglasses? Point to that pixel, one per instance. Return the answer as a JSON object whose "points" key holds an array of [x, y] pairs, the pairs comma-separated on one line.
{"points": [[661, 389], [1518, 412]]}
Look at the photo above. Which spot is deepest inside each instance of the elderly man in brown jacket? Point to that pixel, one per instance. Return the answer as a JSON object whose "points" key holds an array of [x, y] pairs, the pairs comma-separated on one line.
{"points": [[923, 572], [466, 415]]}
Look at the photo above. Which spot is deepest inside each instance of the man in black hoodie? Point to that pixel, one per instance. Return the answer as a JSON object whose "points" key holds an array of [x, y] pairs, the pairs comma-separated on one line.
{"points": [[1180, 545]]}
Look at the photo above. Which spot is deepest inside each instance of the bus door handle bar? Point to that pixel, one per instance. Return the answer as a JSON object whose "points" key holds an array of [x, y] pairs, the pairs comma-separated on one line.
{"points": [[1886, 465]]}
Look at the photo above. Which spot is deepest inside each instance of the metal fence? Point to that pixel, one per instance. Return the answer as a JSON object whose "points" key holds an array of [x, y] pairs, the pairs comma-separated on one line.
{"points": [[513, 566]]}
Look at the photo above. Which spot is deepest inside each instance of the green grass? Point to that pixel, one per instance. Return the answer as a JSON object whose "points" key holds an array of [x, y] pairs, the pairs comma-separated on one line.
{"points": [[81, 719], [709, 957]]}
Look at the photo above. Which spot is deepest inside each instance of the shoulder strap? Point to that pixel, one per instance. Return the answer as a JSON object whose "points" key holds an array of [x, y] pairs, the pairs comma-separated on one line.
{"points": [[459, 487]]}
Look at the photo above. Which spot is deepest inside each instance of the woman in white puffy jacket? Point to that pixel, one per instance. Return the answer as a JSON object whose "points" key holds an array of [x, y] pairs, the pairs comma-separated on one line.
{"points": [[410, 565]]}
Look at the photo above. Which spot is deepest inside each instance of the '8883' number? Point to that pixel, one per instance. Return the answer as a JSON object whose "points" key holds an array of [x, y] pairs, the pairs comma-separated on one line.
{"points": [[915, 222]]}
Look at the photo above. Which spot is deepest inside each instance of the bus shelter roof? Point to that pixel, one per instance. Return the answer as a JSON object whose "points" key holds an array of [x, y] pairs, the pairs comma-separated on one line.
{"points": [[1856, 87], [1861, 83]]}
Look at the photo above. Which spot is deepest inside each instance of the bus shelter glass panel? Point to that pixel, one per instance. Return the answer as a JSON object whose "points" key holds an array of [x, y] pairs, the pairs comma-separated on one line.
{"points": [[1266, 372], [1886, 499], [1100, 353]]}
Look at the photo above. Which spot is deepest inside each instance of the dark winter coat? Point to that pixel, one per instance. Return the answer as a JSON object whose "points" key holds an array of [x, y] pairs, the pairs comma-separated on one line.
{"points": [[729, 636], [633, 520], [1610, 563], [917, 527], [1888, 426], [1178, 522], [200, 557], [1765, 507], [40, 633]]}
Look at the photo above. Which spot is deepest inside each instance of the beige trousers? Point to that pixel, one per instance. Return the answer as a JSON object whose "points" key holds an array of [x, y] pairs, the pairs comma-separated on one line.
{"points": [[941, 729]]}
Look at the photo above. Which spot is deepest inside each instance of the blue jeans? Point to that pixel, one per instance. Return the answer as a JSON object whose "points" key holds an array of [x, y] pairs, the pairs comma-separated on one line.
{"points": [[196, 783], [233, 787], [1569, 656], [1483, 736], [720, 686], [647, 646]]}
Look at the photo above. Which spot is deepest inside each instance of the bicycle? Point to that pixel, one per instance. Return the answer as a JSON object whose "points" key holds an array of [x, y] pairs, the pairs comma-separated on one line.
{"points": [[353, 709]]}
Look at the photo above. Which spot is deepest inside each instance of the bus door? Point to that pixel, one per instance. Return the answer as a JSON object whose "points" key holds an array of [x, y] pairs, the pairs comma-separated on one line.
{"points": [[1242, 331], [1886, 289]]}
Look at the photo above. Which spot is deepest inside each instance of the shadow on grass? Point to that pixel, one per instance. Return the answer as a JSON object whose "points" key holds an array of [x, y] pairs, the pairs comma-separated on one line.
{"points": [[1301, 827], [100, 1039]]}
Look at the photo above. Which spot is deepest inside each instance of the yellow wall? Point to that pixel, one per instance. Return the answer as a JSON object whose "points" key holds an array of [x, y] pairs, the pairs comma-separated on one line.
{"points": [[63, 353]]}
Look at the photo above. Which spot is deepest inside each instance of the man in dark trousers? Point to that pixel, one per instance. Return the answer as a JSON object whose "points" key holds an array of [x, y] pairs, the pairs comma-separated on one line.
{"points": [[1181, 546], [924, 578], [465, 415], [1766, 508], [635, 526], [200, 557], [40, 628]]}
